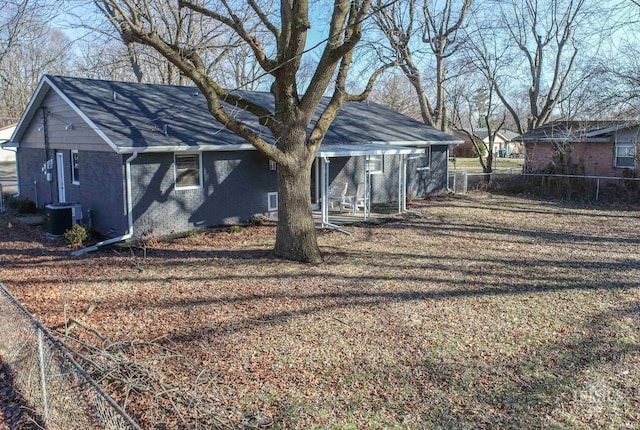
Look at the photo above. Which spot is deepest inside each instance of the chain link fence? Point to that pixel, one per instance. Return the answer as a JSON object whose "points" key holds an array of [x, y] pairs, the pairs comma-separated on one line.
{"points": [[461, 181], [563, 186], [59, 393], [596, 187]]}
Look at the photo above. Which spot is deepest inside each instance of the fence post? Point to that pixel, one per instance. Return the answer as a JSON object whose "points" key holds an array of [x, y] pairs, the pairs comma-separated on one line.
{"points": [[466, 182], [43, 381], [597, 188]]}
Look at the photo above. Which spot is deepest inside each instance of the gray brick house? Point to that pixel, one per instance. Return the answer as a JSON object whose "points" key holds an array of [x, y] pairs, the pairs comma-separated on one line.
{"points": [[151, 158]]}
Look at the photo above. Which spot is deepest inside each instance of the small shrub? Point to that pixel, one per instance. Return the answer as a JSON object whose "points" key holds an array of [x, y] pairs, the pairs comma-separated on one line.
{"points": [[190, 233], [76, 235], [235, 229], [22, 206], [257, 221]]}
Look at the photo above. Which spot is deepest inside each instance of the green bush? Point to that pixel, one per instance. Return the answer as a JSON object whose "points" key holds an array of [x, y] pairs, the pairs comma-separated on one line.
{"points": [[76, 235], [22, 206], [235, 229], [257, 221]]}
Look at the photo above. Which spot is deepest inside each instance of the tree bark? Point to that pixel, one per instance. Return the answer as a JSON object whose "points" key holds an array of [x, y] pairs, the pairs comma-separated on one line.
{"points": [[440, 119], [296, 232]]}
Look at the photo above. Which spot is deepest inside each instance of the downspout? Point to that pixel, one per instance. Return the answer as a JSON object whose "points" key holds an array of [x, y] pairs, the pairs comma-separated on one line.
{"points": [[449, 190], [129, 233]]}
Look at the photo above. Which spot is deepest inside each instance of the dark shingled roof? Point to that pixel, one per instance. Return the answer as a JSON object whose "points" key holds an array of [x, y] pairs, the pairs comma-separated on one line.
{"points": [[573, 131], [139, 114]]}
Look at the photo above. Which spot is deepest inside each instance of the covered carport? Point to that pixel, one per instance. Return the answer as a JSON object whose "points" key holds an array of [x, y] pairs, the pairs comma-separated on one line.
{"points": [[363, 152]]}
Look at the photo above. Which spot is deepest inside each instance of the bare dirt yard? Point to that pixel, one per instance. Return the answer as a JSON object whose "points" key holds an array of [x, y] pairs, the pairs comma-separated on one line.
{"points": [[494, 312]]}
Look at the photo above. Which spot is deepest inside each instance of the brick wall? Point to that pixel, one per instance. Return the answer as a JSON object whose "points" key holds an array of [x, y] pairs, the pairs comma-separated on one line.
{"points": [[235, 186], [592, 159]]}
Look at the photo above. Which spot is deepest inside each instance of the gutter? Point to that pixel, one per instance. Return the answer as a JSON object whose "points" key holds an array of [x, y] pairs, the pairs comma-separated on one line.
{"points": [[562, 140], [129, 233], [182, 148]]}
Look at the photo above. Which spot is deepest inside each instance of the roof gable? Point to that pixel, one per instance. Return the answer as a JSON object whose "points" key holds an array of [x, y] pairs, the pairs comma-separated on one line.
{"points": [[48, 84]]}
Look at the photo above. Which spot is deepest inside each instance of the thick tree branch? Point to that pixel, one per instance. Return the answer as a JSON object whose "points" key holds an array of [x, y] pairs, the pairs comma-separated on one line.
{"points": [[342, 39], [236, 24]]}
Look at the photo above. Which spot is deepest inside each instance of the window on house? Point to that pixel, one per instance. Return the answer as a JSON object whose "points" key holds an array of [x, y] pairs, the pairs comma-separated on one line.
{"points": [[625, 155], [273, 165], [424, 159], [272, 201], [187, 171], [75, 173], [375, 164]]}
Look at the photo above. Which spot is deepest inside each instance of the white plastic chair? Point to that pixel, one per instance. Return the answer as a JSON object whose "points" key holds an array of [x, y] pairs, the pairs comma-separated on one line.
{"points": [[360, 200], [338, 194]]}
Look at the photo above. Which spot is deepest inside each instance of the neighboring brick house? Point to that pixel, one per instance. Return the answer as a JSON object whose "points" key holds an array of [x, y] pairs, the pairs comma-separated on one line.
{"points": [[141, 157], [591, 148]]}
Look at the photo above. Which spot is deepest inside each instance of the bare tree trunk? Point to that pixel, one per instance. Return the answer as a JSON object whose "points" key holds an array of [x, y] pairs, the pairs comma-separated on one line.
{"points": [[440, 116], [296, 233], [134, 61], [488, 166], [423, 99]]}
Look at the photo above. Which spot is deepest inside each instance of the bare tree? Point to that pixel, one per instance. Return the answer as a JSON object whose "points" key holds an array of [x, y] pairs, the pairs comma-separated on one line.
{"points": [[475, 109], [178, 27], [436, 24], [285, 29], [15, 19], [29, 48], [442, 25], [615, 87], [391, 91], [398, 24], [540, 35]]}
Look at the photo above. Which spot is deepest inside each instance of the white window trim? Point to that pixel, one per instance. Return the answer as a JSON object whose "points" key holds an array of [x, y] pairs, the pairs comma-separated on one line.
{"points": [[378, 171], [74, 180], [270, 208], [615, 155], [427, 155], [273, 165], [175, 171]]}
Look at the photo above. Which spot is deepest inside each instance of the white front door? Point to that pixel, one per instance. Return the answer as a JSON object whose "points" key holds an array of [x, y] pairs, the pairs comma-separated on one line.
{"points": [[62, 198]]}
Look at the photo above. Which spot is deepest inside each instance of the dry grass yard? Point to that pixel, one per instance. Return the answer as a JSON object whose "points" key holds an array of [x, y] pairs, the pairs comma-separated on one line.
{"points": [[495, 312]]}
